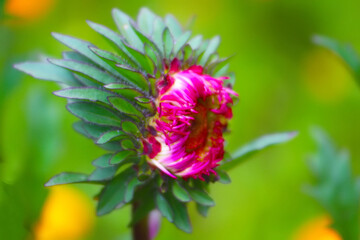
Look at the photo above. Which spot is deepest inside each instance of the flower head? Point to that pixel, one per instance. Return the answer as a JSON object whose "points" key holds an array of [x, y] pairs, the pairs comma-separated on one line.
{"points": [[192, 113]]}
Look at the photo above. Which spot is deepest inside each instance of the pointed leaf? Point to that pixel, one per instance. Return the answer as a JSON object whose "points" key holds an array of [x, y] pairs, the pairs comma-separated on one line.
{"points": [[85, 69], [164, 207], [106, 137], [121, 156], [181, 41], [135, 77], [181, 217], [103, 174], [195, 42], [157, 35], [91, 112], [201, 197], [48, 71], [203, 210], [123, 23], [88, 93], [168, 43], [223, 177], [130, 190], [66, 178], [103, 161], [114, 39], [82, 47], [173, 25], [255, 146], [211, 48], [114, 192], [145, 20], [180, 193], [125, 106]]}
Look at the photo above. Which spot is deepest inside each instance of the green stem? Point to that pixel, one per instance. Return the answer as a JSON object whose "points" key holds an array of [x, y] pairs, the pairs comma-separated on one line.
{"points": [[140, 230]]}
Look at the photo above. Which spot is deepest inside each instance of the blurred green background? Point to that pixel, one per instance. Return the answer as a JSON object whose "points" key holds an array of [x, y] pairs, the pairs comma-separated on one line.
{"points": [[284, 81]]}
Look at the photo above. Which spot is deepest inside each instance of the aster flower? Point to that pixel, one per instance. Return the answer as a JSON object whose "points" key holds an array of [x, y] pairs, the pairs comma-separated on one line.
{"points": [[160, 105], [192, 113]]}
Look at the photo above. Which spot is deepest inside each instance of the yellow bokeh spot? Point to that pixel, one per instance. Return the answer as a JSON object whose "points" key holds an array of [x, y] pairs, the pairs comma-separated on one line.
{"points": [[317, 229], [66, 215], [28, 9], [325, 76]]}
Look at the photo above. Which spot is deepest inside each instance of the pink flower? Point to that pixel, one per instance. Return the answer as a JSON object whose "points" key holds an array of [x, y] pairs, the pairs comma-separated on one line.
{"points": [[192, 113]]}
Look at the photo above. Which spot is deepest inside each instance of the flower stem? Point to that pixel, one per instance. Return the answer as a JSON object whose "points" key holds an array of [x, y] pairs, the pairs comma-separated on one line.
{"points": [[140, 230]]}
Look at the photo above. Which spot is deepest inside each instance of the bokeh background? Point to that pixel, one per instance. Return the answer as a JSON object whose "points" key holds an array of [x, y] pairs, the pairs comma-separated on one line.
{"points": [[284, 81]]}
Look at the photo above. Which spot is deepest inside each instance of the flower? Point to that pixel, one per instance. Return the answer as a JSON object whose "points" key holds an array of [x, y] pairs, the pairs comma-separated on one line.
{"points": [[192, 113], [317, 229], [66, 214], [28, 9]]}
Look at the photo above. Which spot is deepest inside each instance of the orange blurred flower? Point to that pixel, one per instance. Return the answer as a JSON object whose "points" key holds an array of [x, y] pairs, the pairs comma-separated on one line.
{"points": [[317, 229], [66, 214], [28, 9]]}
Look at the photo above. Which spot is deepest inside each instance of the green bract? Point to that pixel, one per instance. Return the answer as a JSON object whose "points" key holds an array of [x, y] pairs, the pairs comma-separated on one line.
{"points": [[113, 94]]}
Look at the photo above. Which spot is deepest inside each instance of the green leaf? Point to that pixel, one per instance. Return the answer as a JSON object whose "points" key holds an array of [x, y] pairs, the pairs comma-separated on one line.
{"points": [[181, 217], [66, 178], [164, 207], [88, 93], [201, 197], [114, 192], [168, 43], [130, 190], [130, 127], [157, 35], [91, 130], [108, 136], [125, 106], [223, 177], [145, 20], [195, 42], [181, 41], [122, 156], [143, 61], [114, 39], [84, 69], [70, 55], [255, 146], [188, 52], [203, 210], [82, 47], [123, 23], [48, 71], [211, 48], [103, 174], [134, 77], [154, 56], [103, 161], [180, 193], [145, 40], [91, 112], [108, 57], [344, 51], [117, 86], [173, 25]]}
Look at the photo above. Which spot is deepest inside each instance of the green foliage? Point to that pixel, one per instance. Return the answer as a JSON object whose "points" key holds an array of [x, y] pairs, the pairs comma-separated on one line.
{"points": [[334, 187], [244, 152], [114, 94], [345, 51]]}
